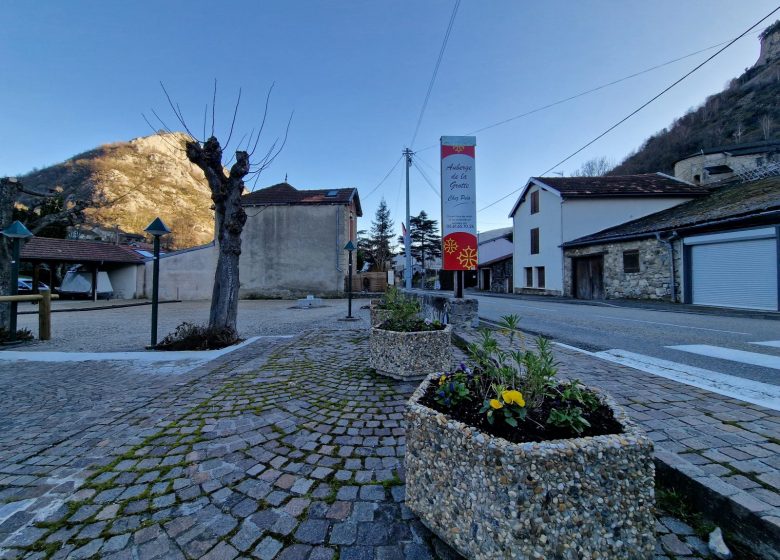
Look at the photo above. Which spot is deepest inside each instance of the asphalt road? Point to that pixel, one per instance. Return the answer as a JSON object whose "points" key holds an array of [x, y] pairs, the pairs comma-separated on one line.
{"points": [[718, 342]]}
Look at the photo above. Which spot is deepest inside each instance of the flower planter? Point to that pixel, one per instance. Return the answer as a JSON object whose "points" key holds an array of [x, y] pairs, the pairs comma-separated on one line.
{"points": [[589, 497], [410, 355], [378, 315]]}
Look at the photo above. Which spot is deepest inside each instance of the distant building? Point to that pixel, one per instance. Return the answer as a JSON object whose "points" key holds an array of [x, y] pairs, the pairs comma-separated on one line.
{"points": [[292, 245], [722, 163], [495, 261], [553, 210], [719, 250]]}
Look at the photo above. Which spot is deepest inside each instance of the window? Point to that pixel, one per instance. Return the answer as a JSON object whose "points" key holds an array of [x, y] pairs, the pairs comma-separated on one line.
{"points": [[529, 277], [540, 277], [534, 202], [631, 261], [535, 241]]}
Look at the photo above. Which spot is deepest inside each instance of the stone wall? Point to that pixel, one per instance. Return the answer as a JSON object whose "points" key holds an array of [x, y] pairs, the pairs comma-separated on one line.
{"points": [[458, 312], [651, 282], [500, 272], [588, 497]]}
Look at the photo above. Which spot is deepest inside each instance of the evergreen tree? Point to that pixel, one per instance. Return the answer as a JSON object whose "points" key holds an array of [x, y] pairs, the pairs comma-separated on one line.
{"points": [[425, 239], [378, 250]]}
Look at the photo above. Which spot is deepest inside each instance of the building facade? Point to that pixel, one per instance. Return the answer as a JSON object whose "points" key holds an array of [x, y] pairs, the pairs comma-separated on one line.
{"points": [[721, 250], [553, 210]]}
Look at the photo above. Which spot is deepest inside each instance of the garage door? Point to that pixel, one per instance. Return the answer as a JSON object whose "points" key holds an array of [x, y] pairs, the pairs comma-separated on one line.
{"points": [[738, 273]]}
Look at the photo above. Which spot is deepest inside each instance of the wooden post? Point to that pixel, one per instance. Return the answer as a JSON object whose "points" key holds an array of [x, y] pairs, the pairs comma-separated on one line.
{"points": [[94, 282], [44, 316], [36, 278]]}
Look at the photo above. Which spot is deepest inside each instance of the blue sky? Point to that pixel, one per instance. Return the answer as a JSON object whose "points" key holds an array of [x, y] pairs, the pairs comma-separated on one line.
{"points": [[79, 74]]}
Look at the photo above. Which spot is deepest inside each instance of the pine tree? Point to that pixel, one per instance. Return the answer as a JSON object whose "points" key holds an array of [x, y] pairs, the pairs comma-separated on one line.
{"points": [[425, 240], [379, 252]]}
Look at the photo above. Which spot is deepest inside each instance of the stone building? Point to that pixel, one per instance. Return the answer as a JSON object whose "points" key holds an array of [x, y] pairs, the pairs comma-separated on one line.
{"points": [[720, 250], [727, 162]]}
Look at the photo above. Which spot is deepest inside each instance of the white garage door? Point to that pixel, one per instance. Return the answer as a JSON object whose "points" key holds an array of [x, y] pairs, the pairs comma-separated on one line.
{"points": [[738, 273]]}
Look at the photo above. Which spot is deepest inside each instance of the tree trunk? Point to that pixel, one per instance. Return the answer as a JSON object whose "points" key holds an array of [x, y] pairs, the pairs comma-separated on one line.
{"points": [[230, 218], [7, 197]]}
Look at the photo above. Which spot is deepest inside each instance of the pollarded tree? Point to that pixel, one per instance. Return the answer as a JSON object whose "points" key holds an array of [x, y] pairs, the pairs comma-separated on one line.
{"points": [[379, 250], [227, 186]]}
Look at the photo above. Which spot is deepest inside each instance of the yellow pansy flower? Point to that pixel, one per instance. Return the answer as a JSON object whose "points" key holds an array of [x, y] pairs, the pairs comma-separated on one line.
{"points": [[495, 403], [513, 397], [442, 379]]}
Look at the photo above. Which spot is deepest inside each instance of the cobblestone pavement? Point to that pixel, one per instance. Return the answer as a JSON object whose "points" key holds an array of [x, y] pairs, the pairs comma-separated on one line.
{"points": [[282, 450]]}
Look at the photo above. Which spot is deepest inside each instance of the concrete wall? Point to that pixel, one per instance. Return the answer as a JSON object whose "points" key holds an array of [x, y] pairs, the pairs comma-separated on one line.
{"points": [[186, 275], [124, 281], [564, 220], [295, 250]]}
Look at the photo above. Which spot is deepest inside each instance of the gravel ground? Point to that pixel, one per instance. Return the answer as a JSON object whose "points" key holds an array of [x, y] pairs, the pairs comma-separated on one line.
{"points": [[128, 328]]}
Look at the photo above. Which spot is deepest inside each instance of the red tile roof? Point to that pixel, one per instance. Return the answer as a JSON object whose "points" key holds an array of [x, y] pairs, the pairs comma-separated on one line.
{"points": [[284, 193], [77, 251], [650, 184]]}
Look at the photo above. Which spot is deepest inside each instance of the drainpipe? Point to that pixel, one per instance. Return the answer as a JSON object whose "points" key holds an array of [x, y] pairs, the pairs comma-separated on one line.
{"points": [[669, 243]]}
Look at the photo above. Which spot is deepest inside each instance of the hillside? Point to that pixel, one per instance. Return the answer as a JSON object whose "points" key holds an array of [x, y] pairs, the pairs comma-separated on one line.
{"points": [[747, 110], [145, 177]]}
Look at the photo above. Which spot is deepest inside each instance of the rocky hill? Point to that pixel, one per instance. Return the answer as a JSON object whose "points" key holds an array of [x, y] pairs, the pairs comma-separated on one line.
{"points": [[747, 110], [139, 180]]}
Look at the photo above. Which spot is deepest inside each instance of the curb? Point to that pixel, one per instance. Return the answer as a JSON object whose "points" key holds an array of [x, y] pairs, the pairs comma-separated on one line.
{"points": [[751, 523]]}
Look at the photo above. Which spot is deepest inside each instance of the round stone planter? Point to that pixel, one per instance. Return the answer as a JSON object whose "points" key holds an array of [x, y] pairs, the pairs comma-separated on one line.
{"points": [[489, 498], [410, 355]]}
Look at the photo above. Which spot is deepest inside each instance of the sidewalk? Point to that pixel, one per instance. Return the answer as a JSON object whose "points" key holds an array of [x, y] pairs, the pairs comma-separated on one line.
{"points": [[723, 453], [283, 450]]}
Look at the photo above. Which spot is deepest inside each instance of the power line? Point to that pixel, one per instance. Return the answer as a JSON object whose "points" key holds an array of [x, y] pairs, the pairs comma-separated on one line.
{"points": [[435, 72], [645, 104], [586, 92], [425, 176], [384, 178]]}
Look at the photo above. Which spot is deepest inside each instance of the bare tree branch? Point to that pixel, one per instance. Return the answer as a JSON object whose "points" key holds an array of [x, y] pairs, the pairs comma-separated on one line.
{"points": [[176, 110], [232, 124], [213, 106], [262, 124]]}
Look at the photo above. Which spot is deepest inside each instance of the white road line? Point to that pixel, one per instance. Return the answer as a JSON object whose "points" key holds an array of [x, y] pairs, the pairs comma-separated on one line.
{"points": [[755, 392], [770, 343], [668, 324], [752, 358]]}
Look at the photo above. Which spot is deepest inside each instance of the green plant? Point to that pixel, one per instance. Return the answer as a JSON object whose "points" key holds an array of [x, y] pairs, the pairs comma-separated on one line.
{"points": [[21, 335], [454, 387], [570, 417], [575, 392]]}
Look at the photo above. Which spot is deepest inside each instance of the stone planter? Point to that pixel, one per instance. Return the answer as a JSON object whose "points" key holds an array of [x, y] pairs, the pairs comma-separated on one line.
{"points": [[378, 315], [410, 355], [488, 498]]}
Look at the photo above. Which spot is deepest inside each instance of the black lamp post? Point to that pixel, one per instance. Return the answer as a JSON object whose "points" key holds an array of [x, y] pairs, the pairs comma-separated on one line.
{"points": [[349, 247], [16, 232], [157, 229]]}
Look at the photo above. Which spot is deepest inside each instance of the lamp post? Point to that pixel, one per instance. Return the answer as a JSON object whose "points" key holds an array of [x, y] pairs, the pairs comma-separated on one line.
{"points": [[157, 229], [16, 232], [349, 247]]}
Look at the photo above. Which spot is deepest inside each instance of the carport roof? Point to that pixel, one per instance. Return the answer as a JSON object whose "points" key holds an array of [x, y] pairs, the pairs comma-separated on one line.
{"points": [[47, 249]]}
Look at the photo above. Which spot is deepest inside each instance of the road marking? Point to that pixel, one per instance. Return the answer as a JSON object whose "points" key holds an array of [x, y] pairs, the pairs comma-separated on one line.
{"points": [[755, 392], [752, 358], [770, 343], [668, 324]]}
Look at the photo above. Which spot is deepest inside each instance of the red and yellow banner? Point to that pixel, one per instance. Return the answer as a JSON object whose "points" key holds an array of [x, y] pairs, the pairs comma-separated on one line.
{"points": [[458, 203]]}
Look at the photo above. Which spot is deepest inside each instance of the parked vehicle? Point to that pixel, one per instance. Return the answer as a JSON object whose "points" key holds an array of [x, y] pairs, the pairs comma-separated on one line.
{"points": [[25, 285], [78, 284]]}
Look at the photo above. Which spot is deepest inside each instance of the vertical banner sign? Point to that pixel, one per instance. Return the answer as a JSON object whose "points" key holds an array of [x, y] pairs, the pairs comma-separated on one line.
{"points": [[458, 203]]}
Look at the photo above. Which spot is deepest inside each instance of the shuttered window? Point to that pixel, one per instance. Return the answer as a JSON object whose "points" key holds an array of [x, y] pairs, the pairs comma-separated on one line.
{"points": [[535, 241]]}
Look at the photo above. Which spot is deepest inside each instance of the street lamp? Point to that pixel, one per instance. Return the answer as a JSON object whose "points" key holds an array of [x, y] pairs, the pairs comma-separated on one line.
{"points": [[349, 247], [16, 232], [157, 229]]}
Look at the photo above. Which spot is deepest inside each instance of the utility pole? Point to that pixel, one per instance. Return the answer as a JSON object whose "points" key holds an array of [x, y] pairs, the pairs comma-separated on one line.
{"points": [[408, 237]]}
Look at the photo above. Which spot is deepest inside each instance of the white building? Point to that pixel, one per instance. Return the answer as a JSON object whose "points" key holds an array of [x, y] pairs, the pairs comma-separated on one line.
{"points": [[553, 210]]}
